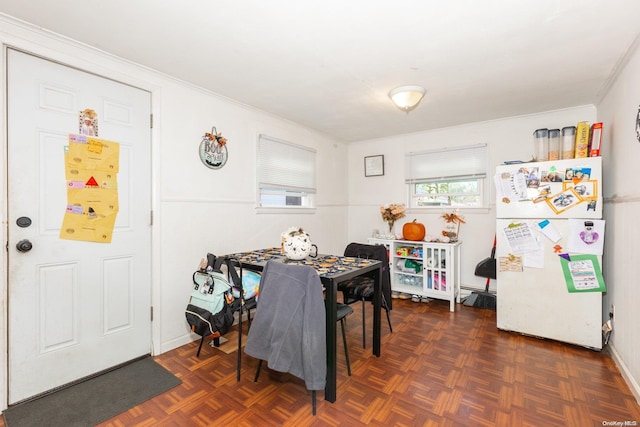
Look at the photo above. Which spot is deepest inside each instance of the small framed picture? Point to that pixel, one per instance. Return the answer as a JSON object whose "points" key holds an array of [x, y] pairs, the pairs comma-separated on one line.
{"points": [[374, 165], [587, 190], [562, 201], [577, 174], [544, 192]]}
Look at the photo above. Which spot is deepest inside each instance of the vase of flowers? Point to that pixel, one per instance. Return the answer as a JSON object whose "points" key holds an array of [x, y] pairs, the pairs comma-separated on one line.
{"points": [[390, 214], [452, 223]]}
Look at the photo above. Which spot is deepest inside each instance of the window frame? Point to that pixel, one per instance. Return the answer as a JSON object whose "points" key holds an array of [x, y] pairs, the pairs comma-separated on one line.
{"points": [[413, 196], [455, 164], [276, 177]]}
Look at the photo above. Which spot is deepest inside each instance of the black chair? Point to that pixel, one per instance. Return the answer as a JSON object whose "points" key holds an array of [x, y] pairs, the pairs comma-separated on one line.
{"points": [[240, 304], [289, 326], [343, 311], [362, 288]]}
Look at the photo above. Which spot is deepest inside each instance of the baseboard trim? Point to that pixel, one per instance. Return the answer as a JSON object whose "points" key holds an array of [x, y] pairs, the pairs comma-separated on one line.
{"points": [[176, 342], [626, 375]]}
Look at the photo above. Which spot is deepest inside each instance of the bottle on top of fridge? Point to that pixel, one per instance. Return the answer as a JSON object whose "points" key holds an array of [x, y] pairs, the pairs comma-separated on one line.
{"points": [[541, 145], [568, 142], [554, 144]]}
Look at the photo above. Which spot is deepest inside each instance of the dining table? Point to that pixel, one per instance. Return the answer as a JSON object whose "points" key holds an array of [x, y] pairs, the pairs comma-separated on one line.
{"points": [[332, 270]]}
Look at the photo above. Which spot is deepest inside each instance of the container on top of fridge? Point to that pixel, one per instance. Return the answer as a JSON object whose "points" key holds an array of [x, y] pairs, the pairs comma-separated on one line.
{"points": [[554, 189], [554, 144], [568, 142], [541, 145]]}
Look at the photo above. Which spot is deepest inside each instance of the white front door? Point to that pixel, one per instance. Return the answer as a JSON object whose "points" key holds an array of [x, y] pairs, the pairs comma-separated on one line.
{"points": [[75, 307]]}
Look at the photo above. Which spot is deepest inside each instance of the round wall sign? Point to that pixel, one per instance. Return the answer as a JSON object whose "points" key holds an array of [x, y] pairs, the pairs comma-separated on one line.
{"points": [[213, 150]]}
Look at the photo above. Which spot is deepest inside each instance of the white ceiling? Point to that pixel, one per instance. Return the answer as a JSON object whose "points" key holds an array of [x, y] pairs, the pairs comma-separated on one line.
{"points": [[330, 64]]}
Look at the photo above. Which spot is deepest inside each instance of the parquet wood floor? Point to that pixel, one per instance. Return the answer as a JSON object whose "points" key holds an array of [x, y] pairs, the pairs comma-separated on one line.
{"points": [[437, 369]]}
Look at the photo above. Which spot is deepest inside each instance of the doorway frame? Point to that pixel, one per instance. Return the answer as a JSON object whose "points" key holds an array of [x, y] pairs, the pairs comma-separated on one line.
{"points": [[23, 37]]}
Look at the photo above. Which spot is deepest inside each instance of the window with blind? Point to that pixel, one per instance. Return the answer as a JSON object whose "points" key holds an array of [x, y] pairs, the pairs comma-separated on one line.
{"points": [[286, 174], [450, 177]]}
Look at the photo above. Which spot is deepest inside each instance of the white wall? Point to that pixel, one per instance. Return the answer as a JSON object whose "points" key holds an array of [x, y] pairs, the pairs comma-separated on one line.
{"points": [[507, 139], [196, 209], [621, 269], [205, 210]]}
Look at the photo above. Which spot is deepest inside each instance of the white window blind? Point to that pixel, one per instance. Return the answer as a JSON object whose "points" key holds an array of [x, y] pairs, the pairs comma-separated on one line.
{"points": [[285, 166], [447, 164]]}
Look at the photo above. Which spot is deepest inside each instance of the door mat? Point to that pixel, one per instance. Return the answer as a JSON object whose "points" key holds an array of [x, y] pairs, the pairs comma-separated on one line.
{"points": [[94, 400]]}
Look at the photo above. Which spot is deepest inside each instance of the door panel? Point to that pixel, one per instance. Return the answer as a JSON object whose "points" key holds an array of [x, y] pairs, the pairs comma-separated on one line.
{"points": [[118, 292], [75, 308], [58, 288]]}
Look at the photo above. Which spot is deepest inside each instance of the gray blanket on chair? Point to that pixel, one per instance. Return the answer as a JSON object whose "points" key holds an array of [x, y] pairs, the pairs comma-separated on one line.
{"points": [[289, 327]]}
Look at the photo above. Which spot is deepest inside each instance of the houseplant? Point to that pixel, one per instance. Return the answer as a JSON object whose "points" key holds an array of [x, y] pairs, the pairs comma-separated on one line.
{"points": [[391, 213], [452, 225]]}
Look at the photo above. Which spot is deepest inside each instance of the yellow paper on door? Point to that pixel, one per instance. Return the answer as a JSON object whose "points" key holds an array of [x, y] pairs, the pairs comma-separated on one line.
{"points": [[91, 214], [86, 152], [83, 178], [99, 201], [88, 228]]}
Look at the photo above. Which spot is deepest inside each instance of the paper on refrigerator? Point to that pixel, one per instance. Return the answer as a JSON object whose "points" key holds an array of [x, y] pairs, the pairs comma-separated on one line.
{"points": [[547, 228], [511, 186], [582, 273], [520, 238], [534, 259], [586, 236]]}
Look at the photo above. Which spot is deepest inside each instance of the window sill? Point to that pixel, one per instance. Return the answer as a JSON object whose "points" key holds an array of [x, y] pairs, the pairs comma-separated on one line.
{"points": [[440, 209], [283, 210]]}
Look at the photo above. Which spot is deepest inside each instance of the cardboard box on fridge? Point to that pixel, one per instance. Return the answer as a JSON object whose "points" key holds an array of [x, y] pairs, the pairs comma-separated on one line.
{"points": [[582, 140]]}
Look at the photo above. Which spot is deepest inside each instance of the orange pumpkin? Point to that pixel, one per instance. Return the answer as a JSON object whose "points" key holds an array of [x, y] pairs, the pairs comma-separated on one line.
{"points": [[414, 231]]}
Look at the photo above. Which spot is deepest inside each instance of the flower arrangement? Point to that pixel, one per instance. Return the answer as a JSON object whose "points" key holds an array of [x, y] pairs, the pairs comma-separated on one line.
{"points": [[391, 213], [452, 225]]}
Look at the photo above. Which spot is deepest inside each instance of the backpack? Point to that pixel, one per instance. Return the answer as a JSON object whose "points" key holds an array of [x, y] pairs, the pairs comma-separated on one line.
{"points": [[211, 304]]}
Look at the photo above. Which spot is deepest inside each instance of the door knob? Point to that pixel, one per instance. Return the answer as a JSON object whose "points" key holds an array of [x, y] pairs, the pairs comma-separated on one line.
{"points": [[24, 246]]}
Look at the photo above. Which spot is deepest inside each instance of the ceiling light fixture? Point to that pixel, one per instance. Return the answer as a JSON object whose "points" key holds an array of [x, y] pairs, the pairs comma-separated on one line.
{"points": [[407, 98]]}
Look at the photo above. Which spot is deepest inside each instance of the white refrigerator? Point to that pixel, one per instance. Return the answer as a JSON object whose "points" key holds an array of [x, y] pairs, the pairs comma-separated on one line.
{"points": [[547, 212]]}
